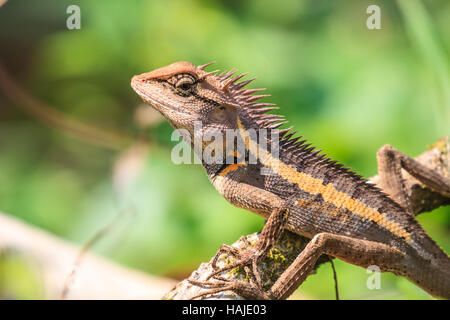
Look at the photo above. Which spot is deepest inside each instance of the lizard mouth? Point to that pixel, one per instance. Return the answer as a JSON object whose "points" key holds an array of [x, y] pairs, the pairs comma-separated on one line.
{"points": [[154, 102]]}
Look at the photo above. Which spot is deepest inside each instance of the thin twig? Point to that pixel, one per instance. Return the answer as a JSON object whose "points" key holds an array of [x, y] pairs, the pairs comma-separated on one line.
{"points": [[53, 118], [336, 290], [84, 249]]}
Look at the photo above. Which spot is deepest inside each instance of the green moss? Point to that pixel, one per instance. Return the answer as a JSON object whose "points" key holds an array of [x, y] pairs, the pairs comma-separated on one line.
{"points": [[441, 145], [19, 279]]}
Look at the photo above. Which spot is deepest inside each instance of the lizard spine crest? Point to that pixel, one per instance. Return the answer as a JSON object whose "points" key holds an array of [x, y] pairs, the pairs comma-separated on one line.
{"points": [[298, 149]]}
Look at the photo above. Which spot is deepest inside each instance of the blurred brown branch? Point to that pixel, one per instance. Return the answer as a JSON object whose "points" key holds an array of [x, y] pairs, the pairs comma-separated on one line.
{"points": [[53, 258], [53, 118], [71, 277]]}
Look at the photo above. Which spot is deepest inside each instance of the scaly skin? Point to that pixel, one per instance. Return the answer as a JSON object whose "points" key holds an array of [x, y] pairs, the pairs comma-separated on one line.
{"points": [[301, 190]]}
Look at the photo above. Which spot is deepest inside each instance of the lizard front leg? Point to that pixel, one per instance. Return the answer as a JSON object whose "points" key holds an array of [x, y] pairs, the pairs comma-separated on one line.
{"points": [[391, 161], [252, 255], [258, 200]]}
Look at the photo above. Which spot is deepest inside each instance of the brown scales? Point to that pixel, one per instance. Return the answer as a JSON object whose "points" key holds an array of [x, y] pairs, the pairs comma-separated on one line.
{"points": [[380, 226], [299, 151]]}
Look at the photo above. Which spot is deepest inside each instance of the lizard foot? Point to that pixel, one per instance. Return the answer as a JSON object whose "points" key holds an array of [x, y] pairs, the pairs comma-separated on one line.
{"points": [[247, 290], [245, 256]]}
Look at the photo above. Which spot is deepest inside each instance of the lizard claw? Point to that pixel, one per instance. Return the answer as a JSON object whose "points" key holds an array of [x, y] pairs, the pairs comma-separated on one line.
{"points": [[245, 257], [247, 290]]}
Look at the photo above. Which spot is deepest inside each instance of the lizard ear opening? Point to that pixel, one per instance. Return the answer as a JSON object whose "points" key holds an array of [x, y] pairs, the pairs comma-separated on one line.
{"points": [[219, 114], [224, 111]]}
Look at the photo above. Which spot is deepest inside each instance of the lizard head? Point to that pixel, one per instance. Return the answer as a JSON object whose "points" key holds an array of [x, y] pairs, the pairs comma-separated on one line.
{"points": [[185, 94]]}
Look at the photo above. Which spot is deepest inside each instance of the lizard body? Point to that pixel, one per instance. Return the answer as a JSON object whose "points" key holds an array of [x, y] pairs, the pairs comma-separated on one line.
{"points": [[301, 189]]}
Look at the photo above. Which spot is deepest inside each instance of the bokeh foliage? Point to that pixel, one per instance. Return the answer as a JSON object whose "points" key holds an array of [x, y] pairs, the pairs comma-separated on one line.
{"points": [[347, 89]]}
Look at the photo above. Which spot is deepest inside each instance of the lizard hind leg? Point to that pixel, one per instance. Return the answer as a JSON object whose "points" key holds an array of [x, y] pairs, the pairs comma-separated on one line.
{"points": [[356, 251], [391, 161]]}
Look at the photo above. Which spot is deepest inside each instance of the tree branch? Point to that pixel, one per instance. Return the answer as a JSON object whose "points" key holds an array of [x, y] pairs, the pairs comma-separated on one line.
{"points": [[53, 118], [51, 260]]}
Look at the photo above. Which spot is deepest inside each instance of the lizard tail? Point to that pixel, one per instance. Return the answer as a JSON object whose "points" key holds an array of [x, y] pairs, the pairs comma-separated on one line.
{"points": [[433, 277]]}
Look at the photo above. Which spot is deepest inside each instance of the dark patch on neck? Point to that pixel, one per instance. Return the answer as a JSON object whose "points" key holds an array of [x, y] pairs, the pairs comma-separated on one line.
{"points": [[207, 100]]}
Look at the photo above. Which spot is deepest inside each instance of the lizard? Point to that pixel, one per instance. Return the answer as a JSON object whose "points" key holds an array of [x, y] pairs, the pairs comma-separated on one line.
{"points": [[299, 189]]}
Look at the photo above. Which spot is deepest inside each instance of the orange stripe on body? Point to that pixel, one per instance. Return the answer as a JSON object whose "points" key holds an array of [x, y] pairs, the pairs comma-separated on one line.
{"points": [[315, 186], [231, 167]]}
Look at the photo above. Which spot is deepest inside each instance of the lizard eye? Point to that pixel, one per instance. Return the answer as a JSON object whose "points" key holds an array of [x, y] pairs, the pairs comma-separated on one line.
{"points": [[185, 84]]}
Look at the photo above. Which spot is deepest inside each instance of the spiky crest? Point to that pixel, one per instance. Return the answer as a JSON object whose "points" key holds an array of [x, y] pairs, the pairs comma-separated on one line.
{"points": [[299, 151]]}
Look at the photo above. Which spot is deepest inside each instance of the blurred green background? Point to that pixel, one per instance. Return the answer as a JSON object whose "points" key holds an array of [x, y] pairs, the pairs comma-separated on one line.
{"points": [[349, 90]]}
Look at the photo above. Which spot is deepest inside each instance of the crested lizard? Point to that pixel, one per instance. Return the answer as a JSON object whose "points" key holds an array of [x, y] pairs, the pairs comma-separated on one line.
{"points": [[296, 188]]}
